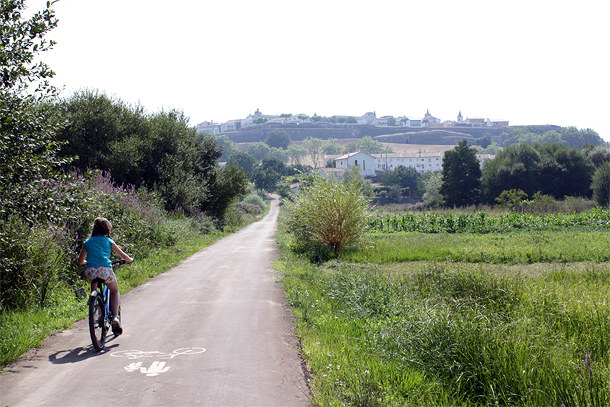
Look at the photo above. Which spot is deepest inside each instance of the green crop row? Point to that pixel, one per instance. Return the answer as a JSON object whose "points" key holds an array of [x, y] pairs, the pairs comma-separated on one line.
{"points": [[480, 222]]}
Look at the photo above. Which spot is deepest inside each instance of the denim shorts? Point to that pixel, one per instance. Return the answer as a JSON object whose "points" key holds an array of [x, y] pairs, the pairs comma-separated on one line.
{"points": [[104, 273]]}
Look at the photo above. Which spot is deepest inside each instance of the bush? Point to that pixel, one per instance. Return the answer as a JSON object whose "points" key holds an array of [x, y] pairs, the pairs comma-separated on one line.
{"points": [[328, 214], [601, 185]]}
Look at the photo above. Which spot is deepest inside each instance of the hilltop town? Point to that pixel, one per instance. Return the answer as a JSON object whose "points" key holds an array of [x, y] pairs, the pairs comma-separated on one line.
{"points": [[369, 118]]}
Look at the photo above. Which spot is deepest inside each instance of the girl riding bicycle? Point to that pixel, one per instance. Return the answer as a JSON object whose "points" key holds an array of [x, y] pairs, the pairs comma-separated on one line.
{"points": [[95, 256]]}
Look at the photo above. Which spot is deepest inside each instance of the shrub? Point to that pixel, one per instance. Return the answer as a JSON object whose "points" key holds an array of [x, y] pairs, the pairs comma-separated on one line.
{"points": [[601, 185], [328, 214]]}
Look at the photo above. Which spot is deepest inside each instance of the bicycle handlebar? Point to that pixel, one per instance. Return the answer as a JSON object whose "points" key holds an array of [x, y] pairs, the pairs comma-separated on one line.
{"points": [[118, 262]]}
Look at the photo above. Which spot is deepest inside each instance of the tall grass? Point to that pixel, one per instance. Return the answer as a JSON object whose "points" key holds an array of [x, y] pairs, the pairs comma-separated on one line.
{"points": [[435, 333]]}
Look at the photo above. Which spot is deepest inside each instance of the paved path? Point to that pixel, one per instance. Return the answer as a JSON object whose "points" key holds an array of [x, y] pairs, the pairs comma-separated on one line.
{"points": [[213, 331]]}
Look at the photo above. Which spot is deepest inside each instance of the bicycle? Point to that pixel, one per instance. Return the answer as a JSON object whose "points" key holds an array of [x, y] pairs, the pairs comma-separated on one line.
{"points": [[100, 315]]}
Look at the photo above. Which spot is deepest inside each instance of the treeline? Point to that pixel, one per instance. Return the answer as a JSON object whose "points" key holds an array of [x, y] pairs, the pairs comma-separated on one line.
{"points": [[159, 152], [545, 171], [568, 136]]}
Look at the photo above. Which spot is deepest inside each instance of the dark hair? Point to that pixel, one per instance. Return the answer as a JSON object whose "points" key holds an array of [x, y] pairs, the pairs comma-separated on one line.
{"points": [[101, 226]]}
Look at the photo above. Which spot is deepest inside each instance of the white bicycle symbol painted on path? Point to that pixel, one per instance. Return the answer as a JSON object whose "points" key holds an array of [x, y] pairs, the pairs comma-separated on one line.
{"points": [[157, 367]]}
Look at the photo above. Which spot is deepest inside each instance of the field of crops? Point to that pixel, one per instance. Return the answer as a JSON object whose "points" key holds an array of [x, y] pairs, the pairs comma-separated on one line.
{"points": [[480, 222], [510, 310]]}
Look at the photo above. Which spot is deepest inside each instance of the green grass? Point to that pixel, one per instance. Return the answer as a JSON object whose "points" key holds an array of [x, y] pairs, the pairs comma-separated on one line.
{"points": [[22, 330], [497, 248], [517, 319]]}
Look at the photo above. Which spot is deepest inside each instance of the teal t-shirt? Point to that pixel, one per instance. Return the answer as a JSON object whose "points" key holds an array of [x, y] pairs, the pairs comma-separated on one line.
{"points": [[98, 251]]}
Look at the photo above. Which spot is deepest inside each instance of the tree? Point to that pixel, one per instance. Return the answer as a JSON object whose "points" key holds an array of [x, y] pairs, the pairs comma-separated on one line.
{"points": [[564, 171], [268, 174], [432, 182], [314, 148], [279, 154], [601, 185], [332, 147], [552, 169], [29, 154], [259, 151], [296, 153], [367, 145], [515, 167], [244, 161], [354, 175], [227, 145], [461, 176], [328, 215], [484, 141], [598, 155], [228, 183], [278, 139], [403, 177]]}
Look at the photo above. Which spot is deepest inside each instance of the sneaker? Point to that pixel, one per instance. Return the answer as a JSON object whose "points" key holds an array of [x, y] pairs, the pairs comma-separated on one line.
{"points": [[116, 326]]}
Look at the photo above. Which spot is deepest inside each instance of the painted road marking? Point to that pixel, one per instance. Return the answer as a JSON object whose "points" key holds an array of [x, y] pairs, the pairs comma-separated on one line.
{"points": [[157, 367], [138, 354]]}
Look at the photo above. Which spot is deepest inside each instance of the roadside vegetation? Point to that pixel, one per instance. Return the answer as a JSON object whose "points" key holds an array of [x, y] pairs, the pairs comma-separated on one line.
{"points": [[64, 162], [457, 319]]}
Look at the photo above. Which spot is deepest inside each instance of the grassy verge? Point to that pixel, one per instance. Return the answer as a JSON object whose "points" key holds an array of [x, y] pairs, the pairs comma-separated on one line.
{"points": [[22, 330], [379, 331]]}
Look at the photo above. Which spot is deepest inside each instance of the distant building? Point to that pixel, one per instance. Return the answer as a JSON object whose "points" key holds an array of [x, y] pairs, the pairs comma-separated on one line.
{"points": [[365, 161], [422, 162], [370, 164], [208, 126], [431, 120], [368, 118], [231, 125]]}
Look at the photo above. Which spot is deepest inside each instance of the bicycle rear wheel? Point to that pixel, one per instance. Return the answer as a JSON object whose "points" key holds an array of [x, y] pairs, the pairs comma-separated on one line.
{"points": [[97, 323]]}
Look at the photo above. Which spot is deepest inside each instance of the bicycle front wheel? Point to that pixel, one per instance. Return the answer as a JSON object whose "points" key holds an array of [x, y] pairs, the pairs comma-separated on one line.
{"points": [[97, 324]]}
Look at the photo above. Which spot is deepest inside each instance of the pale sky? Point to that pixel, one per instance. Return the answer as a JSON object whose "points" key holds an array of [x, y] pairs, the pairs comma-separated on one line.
{"points": [[528, 62]]}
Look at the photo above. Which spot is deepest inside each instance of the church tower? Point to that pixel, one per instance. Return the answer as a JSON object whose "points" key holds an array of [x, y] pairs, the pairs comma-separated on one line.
{"points": [[460, 117]]}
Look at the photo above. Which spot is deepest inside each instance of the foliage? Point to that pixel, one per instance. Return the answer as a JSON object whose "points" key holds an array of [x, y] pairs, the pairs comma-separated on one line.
{"points": [[331, 147], [268, 174], [440, 333], [227, 145], [354, 175], [296, 152], [314, 148], [403, 177], [568, 136], [461, 183], [157, 151], [511, 199], [279, 154], [601, 185], [278, 139], [598, 155], [481, 222], [432, 182], [367, 145], [259, 151], [227, 184], [327, 214], [552, 169], [244, 161], [31, 187]]}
